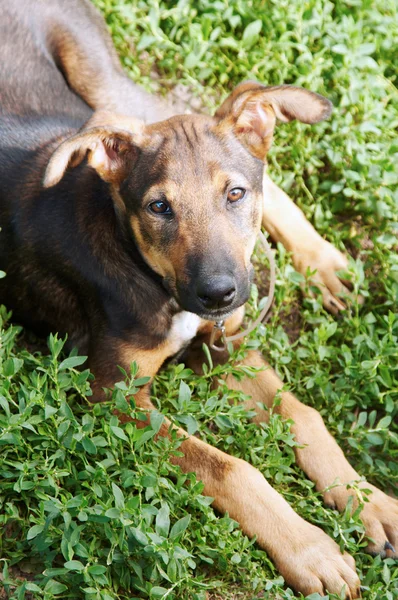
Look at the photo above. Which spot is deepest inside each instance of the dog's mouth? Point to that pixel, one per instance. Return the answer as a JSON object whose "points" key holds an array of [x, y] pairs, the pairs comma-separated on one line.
{"points": [[220, 314], [186, 300], [217, 315]]}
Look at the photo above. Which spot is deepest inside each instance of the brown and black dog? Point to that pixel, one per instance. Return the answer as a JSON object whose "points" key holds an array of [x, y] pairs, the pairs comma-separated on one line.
{"points": [[132, 230]]}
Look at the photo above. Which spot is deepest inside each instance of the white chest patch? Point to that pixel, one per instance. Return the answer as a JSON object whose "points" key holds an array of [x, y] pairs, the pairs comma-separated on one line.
{"points": [[183, 329]]}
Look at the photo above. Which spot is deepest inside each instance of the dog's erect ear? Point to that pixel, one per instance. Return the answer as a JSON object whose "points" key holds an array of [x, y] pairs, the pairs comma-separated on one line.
{"points": [[252, 110], [110, 151]]}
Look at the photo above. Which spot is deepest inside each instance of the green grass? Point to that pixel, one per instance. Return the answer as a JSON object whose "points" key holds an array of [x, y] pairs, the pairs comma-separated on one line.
{"points": [[92, 509]]}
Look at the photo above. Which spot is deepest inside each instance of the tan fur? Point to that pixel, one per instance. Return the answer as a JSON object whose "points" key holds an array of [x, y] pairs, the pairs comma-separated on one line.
{"points": [[287, 224], [252, 110], [319, 455], [157, 259], [150, 361], [111, 143], [309, 560], [91, 65], [254, 125], [287, 102], [96, 141]]}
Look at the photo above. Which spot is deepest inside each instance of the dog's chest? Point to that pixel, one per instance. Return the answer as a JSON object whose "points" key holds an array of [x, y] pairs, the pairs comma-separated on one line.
{"points": [[184, 328]]}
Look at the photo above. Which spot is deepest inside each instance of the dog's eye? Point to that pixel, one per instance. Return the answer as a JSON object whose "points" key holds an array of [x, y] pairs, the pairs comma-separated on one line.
{"points": [[160, 208], [236, 194]]}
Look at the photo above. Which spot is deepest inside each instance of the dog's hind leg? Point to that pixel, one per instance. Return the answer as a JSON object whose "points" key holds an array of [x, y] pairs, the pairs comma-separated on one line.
{"points": [[287, 224], [83, 50]]}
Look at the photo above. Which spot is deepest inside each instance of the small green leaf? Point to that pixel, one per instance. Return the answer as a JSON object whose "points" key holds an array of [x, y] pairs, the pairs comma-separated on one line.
{"points": [[375, 439], [119, 433], [141, 381], [145, 41], [156, 420], [158, 592], [113, 513], [97, 570], [89, 445], [10, 438], [34, 531], [384, 423], [180, 526], [251, 33], [148, 481], [5, 405], [139, 536], [72, 362], [49, 411], [54, 587], [119, 497], [11, 366], [74, 565], [163, 520], [184, 395], [189, 422], [32, 587]]}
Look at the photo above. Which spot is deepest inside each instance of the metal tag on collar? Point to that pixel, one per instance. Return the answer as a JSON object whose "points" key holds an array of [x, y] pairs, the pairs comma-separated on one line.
{"points": [[218, 328]]}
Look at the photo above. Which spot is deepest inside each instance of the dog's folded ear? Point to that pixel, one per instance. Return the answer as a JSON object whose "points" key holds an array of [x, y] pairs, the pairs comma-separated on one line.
{"points": [[110, 149], [252, 110]]}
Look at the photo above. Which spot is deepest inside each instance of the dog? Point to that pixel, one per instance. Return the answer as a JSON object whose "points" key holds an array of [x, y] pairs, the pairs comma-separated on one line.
{"points": [[131, 229]]}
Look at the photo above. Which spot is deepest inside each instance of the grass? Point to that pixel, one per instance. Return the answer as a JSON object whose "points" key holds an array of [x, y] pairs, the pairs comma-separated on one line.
{"points": [[92, 509]]}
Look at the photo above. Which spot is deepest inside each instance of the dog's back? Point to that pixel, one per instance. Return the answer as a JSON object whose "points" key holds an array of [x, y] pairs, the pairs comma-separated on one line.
{"points": [[36, 103], [37, 108], [57, 64]]}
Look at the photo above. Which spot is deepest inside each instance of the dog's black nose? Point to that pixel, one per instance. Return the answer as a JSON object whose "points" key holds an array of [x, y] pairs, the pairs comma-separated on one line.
{"points": [[217, 292]]}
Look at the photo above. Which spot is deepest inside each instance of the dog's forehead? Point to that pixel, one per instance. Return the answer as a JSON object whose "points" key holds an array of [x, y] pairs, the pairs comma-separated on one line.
{"points": [[191, 127], [194, 145]]}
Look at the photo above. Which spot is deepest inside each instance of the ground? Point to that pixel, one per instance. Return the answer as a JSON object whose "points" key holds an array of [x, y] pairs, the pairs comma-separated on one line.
{"points": [[88, 510]]}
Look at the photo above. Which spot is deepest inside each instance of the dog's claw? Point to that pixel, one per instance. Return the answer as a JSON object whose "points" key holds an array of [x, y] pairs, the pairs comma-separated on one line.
{"points": [[388, 546]]}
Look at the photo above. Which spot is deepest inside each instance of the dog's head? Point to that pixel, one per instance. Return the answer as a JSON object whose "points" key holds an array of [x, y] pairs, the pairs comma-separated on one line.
{"points": [[190, 188]]}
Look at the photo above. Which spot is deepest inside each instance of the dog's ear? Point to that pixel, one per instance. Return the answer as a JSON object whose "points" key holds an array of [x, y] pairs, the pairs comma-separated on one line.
{"points": [[252, 110], [110, 150]]}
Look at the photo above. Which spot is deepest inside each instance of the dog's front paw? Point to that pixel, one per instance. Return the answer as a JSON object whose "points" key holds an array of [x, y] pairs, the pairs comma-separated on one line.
{"points": [[313, 563], [323, 261], [380, 518]]}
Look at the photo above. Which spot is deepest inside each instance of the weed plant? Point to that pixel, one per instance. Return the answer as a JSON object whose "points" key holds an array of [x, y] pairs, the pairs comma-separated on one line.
{"points": [[93, 509]]}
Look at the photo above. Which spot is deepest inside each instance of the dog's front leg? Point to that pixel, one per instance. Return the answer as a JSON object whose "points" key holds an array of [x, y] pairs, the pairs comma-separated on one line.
{"points": [[321, 458], [308, 559], [287, 224]]}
